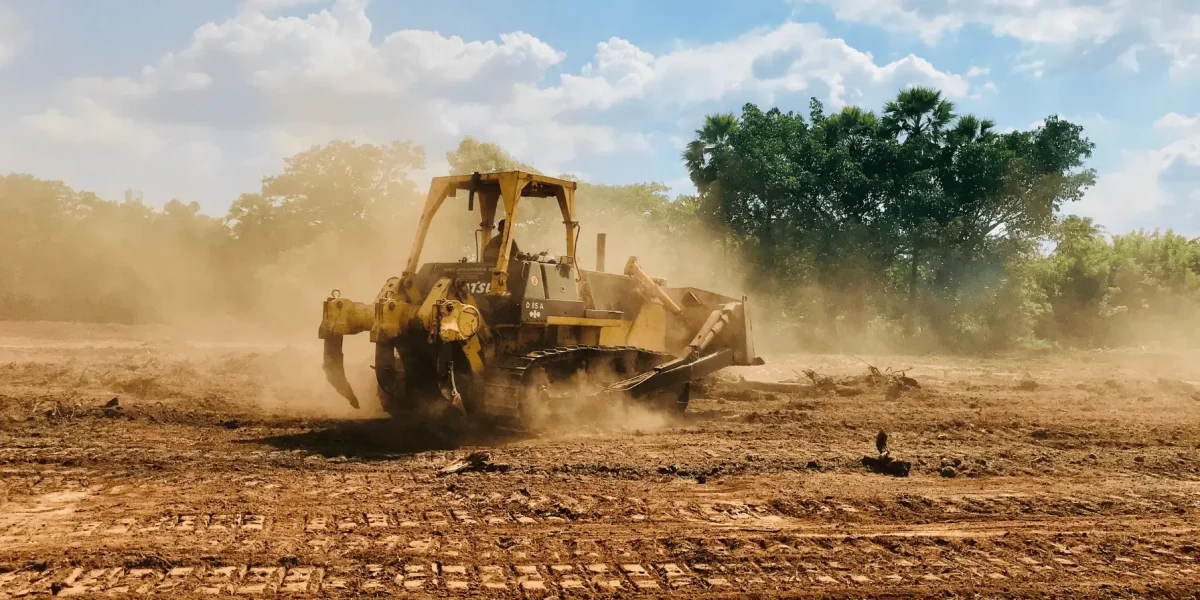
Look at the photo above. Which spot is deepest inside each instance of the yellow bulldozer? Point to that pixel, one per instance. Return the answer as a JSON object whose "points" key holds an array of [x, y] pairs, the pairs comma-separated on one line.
{"points": [[517, 339]]}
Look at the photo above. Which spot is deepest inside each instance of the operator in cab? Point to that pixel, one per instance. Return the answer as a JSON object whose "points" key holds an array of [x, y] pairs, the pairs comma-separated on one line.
{"points": [[491, 252]]}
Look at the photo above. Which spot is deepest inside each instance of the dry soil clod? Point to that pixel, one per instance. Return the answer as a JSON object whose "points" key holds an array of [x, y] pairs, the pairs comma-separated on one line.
{"points": [[475, 461], [884, 464], [950, 467]]}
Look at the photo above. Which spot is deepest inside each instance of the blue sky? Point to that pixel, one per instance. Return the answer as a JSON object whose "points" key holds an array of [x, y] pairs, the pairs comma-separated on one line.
{"points": [[197, 100]]}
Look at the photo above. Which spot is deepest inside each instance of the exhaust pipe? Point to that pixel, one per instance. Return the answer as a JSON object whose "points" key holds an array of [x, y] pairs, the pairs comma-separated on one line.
{"points": [[601, 238]]}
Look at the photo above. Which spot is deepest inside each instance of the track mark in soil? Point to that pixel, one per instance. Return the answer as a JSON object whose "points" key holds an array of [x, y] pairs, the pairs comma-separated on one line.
{"points": [[764, 575], [60, 522]]}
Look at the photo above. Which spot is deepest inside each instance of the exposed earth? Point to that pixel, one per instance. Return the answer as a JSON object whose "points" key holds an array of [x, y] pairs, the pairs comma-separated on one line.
{"points": [[140, 461]]}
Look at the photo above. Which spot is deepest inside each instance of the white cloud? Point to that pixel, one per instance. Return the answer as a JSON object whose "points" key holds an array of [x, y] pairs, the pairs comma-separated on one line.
{"points": [[1177, 123], [1044, 23], [790, 58], [1054, 21], [244, 92], [1171, 27], [269, 6], [14, 36], [896, 15], [1128, 60], [1127, 195], [976, 71], [1152, 186], [1036, 68], [90, 124], [988, 87]]}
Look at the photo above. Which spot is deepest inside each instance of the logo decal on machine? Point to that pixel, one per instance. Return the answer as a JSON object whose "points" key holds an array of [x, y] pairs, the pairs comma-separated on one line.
{"points": [[479, 287], [533, 310]]}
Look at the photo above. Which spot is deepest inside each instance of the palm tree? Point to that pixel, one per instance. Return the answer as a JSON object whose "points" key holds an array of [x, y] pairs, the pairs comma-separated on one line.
{"points": [[920, 113], [852, 125], [705, 157], [857, 116], [705, 154], [920, 116], [851, 120], [970, 128]]}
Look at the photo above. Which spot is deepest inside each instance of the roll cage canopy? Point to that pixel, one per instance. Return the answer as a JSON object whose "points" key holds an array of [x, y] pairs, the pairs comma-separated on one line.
{"points": [[490, 189]]}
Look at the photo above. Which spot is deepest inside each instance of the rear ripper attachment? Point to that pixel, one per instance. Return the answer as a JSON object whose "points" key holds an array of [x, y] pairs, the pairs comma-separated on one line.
{"points": [[526, 339]]}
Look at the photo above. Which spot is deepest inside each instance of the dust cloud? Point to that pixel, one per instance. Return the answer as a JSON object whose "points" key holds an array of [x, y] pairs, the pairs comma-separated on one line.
{"points": [[294, 286], [205, 310]]}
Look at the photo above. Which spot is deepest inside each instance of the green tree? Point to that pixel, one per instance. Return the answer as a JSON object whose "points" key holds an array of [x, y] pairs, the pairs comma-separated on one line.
{"points": [[474, 156], [337, 188], [857, 203], [71, 255], [919, 115], [706, 157]]}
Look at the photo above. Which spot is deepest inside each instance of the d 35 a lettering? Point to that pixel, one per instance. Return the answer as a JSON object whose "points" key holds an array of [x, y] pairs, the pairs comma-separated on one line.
{"points": [[533, 309]]}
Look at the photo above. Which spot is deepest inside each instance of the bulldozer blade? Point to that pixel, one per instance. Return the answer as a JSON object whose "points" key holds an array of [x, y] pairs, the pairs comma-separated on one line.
{"points": [[672, 374], [335, 369]]}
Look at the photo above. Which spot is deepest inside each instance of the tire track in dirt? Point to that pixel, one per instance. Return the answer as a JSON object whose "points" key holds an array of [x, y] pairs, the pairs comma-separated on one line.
{"points": [[859, 563], [518, 510], [365, 550]]}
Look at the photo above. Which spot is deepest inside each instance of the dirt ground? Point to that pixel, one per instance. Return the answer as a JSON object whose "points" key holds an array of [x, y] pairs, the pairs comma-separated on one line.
{"points": [[229, 467]]}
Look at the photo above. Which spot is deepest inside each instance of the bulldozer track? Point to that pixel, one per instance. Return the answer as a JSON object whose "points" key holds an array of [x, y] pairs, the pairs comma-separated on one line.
{"points": [[506, 378]]}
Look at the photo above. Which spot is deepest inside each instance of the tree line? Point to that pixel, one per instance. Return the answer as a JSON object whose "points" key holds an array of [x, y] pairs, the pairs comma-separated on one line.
{"points": [[915, 224], [340, 214]]}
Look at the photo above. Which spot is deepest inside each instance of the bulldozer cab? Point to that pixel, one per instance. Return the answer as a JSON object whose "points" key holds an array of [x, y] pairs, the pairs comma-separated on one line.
{"points": [[488, 191]]}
